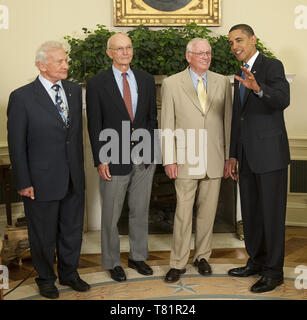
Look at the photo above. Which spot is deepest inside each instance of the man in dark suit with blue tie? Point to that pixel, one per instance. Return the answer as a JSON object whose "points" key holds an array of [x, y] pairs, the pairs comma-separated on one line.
{"points": [[46, 152], [121, 103], [259, 143]]}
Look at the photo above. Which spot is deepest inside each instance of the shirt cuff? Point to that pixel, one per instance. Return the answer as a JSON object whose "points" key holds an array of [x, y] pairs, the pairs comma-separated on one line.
{"points": [[259, 94]]}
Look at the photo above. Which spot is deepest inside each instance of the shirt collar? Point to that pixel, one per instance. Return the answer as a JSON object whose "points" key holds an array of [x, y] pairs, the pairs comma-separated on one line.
{"points": [[195, 76], [48, 84], [118, 73], [252, 60]]}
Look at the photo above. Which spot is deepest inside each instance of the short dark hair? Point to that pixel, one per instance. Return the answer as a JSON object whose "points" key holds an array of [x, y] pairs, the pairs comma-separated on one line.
{"points": [[244, 27]]}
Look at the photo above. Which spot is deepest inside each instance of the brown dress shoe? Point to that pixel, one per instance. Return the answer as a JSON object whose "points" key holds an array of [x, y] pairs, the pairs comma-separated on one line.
{"points": [[203, 267], [174, 275]]}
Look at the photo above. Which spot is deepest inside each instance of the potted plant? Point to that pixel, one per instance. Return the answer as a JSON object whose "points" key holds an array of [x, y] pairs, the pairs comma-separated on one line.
{"points": [[159, 52]]}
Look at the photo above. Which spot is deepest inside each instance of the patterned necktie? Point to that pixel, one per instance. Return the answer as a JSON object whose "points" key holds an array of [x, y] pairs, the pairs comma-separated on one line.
{"points": [[60, 105], [127, 95], [201, 93], [242, 87]]}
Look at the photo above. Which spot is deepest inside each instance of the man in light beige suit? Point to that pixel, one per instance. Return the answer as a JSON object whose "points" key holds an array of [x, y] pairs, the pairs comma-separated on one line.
{"points": [[197, 107]]}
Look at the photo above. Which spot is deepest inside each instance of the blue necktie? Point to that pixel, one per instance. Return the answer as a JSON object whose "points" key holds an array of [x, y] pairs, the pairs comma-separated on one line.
{"points": [[242, 87], [60, 105]]}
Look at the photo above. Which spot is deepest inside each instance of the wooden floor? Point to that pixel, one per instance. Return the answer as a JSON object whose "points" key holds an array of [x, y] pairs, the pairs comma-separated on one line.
{"points": [[295, 254]]}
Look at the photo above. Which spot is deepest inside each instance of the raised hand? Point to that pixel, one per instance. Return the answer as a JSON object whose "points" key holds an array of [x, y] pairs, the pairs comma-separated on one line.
{"points": [[249, 82]]}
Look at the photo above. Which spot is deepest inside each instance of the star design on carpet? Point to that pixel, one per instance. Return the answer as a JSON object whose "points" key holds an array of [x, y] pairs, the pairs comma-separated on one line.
{"points": [[181, 286]]}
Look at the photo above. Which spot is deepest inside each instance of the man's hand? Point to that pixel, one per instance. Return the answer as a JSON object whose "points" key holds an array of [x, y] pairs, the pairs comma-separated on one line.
{"points": [[226, 171], [249, 82], [27, 192], [104, 171], [171, 170], [233, 169]]}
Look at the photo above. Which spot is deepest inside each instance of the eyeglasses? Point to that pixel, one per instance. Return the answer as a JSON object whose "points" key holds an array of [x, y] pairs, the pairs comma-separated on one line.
{"points": [[201, 53], [122, 49]]}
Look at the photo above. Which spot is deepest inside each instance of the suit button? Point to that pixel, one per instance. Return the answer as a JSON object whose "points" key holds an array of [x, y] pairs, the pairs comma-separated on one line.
{"points": [[132, 143], [67, 142], [242, 119], [132, 129]]}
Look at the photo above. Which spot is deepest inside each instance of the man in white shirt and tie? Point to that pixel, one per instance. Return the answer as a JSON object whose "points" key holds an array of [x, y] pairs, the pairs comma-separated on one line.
{"points": [[46, 152]]}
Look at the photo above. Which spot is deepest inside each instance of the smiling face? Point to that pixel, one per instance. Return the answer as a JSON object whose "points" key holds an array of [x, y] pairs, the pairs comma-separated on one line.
{"points": [[199, 57], [55, 67], [120, 51], [242, 45]]}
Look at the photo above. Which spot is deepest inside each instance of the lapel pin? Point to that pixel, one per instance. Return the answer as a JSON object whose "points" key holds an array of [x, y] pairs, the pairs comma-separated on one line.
{"points": [[70, 94], [254, 72]]}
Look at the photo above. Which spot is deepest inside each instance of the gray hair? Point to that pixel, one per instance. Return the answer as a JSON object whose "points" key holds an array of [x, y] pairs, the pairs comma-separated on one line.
{"points": [[191, 43], [41, 53]]}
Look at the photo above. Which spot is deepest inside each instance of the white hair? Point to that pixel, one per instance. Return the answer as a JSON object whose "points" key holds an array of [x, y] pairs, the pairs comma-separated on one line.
{"points": [[41, 53], [192, 42]]}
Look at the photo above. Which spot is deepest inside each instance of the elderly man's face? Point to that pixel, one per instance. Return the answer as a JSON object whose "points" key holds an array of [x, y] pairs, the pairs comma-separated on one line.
{"points": [[200, 57], [120, 51], [56, 66]]}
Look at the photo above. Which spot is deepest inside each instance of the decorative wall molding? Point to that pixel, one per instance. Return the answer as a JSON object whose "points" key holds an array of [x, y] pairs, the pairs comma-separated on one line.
{"points": [[17, 212], [297, 202]]}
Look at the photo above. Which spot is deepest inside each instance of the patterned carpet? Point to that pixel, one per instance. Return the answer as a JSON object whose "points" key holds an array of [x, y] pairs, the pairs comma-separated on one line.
{"points": [[191, 286]]}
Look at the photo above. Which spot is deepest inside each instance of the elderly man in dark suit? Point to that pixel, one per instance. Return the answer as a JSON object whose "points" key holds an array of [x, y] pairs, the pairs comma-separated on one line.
{"points": [[259, 143], [46, 152], [122, 101]]}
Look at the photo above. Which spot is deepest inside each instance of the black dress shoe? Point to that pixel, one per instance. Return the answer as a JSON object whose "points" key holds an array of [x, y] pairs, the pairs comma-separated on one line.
{"points": [[140, 266], [265, 284], [77, 284], [118, 274], [243, 272], [203, 267], [174, 275], [48, 290]]}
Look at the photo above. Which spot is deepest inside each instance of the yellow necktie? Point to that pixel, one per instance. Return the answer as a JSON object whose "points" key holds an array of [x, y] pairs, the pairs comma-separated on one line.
{"points": [[201, 92]]}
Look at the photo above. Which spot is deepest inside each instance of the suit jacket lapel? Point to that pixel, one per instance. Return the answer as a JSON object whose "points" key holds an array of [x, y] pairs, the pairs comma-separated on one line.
{"points": [[188, 88], [256, 66], [114, 92], [211, 89], [44, 100], [141, 92], [69, 97]]}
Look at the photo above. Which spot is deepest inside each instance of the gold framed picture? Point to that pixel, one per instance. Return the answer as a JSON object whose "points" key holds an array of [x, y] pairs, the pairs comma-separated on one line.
{"points": [[167, 12]]}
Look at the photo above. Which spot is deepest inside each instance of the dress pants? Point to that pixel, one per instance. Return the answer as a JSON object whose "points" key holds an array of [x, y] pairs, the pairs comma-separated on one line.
{"points": [[55, 225], [207, 193], [138, 184], [263, 204]]}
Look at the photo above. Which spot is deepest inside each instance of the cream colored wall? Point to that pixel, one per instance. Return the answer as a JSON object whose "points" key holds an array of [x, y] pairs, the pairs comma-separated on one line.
{"points": [[31, 22]]}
